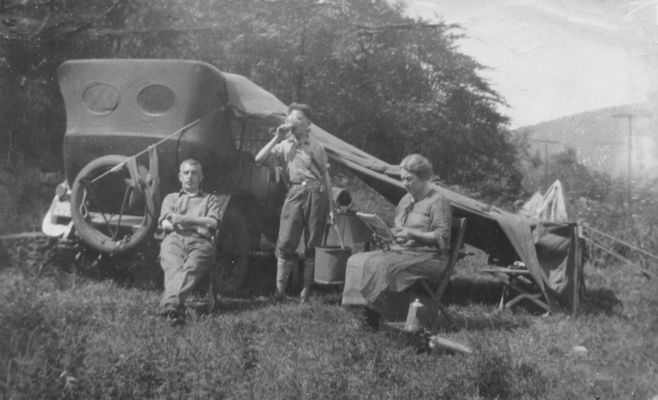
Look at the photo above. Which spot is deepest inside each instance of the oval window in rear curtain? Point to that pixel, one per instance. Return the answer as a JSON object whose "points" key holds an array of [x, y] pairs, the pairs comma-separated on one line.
{"points": [[101, 98], [156, 99]]}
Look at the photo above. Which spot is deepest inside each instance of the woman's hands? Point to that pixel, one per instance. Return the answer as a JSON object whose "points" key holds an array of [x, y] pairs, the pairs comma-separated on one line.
{"points": [[403, 235], [409, 236]]}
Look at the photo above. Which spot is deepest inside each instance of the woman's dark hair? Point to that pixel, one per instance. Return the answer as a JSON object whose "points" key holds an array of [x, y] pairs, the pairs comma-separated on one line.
{"points": [[305, 108], [417, 165]]}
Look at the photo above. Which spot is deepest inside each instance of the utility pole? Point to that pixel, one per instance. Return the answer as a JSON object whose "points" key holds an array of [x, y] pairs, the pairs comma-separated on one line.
{"points": [[629, 172], [546, 142]]}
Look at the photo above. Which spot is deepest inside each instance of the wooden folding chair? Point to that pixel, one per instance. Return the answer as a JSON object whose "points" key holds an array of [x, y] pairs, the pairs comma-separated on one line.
{"points": [[214, 274], [456, 239], [211, 295], [520, 281]]}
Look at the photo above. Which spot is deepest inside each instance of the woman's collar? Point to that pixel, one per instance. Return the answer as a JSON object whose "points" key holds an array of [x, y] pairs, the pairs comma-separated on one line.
{"points": [[427, 193]]}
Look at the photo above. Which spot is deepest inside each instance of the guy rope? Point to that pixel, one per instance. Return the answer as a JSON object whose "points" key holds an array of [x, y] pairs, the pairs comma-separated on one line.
{"points": [[607, 243], [156, 144]]}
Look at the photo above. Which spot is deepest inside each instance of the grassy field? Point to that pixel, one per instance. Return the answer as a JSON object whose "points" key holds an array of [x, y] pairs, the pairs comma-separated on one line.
{"points": [[70, 336]]}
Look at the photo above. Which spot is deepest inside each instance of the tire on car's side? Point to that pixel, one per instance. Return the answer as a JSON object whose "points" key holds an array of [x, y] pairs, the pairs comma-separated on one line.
{"points": [[83, 226]]}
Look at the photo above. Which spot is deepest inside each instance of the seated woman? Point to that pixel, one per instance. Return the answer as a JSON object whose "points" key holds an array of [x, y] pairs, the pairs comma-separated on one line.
{"points": [[422, 231]]}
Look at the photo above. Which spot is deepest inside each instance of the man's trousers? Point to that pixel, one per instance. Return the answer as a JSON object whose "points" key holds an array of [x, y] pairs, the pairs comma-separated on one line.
{"points": [[185, 261], [304, 212]]}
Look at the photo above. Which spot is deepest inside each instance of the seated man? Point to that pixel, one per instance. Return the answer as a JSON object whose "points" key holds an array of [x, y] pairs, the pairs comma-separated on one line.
{"points": [[422, 221], [189, 218]]}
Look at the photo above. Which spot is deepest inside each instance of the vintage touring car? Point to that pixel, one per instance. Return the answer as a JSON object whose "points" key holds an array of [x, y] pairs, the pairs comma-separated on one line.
{"points": [[129, 125]]}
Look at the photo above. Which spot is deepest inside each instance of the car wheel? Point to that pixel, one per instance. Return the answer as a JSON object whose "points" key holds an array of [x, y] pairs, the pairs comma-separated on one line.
{"points": [[108, 212]]}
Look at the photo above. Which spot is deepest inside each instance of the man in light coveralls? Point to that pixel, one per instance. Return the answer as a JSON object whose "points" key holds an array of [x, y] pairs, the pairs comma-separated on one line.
{"points": [[189, 217], [308, 201]]}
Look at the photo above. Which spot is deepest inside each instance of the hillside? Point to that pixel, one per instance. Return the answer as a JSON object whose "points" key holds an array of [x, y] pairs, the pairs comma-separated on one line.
{"points": [[600, 139]]}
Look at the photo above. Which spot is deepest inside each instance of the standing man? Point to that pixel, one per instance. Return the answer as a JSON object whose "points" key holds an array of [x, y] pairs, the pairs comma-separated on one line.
{"points": [[189, 218], [308, 201]]}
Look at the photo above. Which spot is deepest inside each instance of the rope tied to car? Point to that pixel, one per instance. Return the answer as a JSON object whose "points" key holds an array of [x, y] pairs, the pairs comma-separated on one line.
{"points": [[142, 190], [120, 165]]}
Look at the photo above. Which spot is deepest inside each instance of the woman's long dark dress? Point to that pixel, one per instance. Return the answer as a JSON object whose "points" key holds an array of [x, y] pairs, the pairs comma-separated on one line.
{"points": [[369, 274]]}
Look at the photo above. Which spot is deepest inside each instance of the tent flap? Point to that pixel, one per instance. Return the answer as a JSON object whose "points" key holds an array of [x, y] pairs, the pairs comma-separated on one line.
{"points": [[548, 249]]}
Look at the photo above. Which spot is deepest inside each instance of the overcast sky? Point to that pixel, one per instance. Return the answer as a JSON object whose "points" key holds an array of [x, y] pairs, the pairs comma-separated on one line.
{"points": [[552, 58]]}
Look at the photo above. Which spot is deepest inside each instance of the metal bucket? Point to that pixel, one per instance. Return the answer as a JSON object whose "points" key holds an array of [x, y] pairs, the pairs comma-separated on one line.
{"points": [[330, 264]]}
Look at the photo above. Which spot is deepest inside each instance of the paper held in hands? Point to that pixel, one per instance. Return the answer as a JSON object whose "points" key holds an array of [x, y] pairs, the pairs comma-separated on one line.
{"points": [[377, 226]]}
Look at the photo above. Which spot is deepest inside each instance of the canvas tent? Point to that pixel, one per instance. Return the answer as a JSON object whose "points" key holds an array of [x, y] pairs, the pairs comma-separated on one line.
{"points": [[549, 207], [551, 251]]}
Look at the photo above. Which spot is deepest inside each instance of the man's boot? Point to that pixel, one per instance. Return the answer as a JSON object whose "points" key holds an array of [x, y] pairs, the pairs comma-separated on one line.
{"points": [[309, 272], [283, 268]]}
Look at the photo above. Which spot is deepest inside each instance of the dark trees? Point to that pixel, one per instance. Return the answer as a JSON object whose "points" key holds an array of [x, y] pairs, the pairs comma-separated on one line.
{"points": [[381, 81]]}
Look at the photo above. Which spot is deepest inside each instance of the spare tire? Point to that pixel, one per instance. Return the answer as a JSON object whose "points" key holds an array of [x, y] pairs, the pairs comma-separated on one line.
{"points": [[98, 208]]}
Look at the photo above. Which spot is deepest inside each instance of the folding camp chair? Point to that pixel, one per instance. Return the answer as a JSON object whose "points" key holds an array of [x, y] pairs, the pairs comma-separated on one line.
{"points": [[211, 295], [215, 274], [518, 280], [456, 239]]}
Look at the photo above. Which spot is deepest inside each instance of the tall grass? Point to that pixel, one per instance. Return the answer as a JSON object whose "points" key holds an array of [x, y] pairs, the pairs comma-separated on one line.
{"points": [[67, 336]]}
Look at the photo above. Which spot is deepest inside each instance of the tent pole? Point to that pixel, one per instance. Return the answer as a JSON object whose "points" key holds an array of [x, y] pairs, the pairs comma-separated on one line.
{"points": [[577, 269]]}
